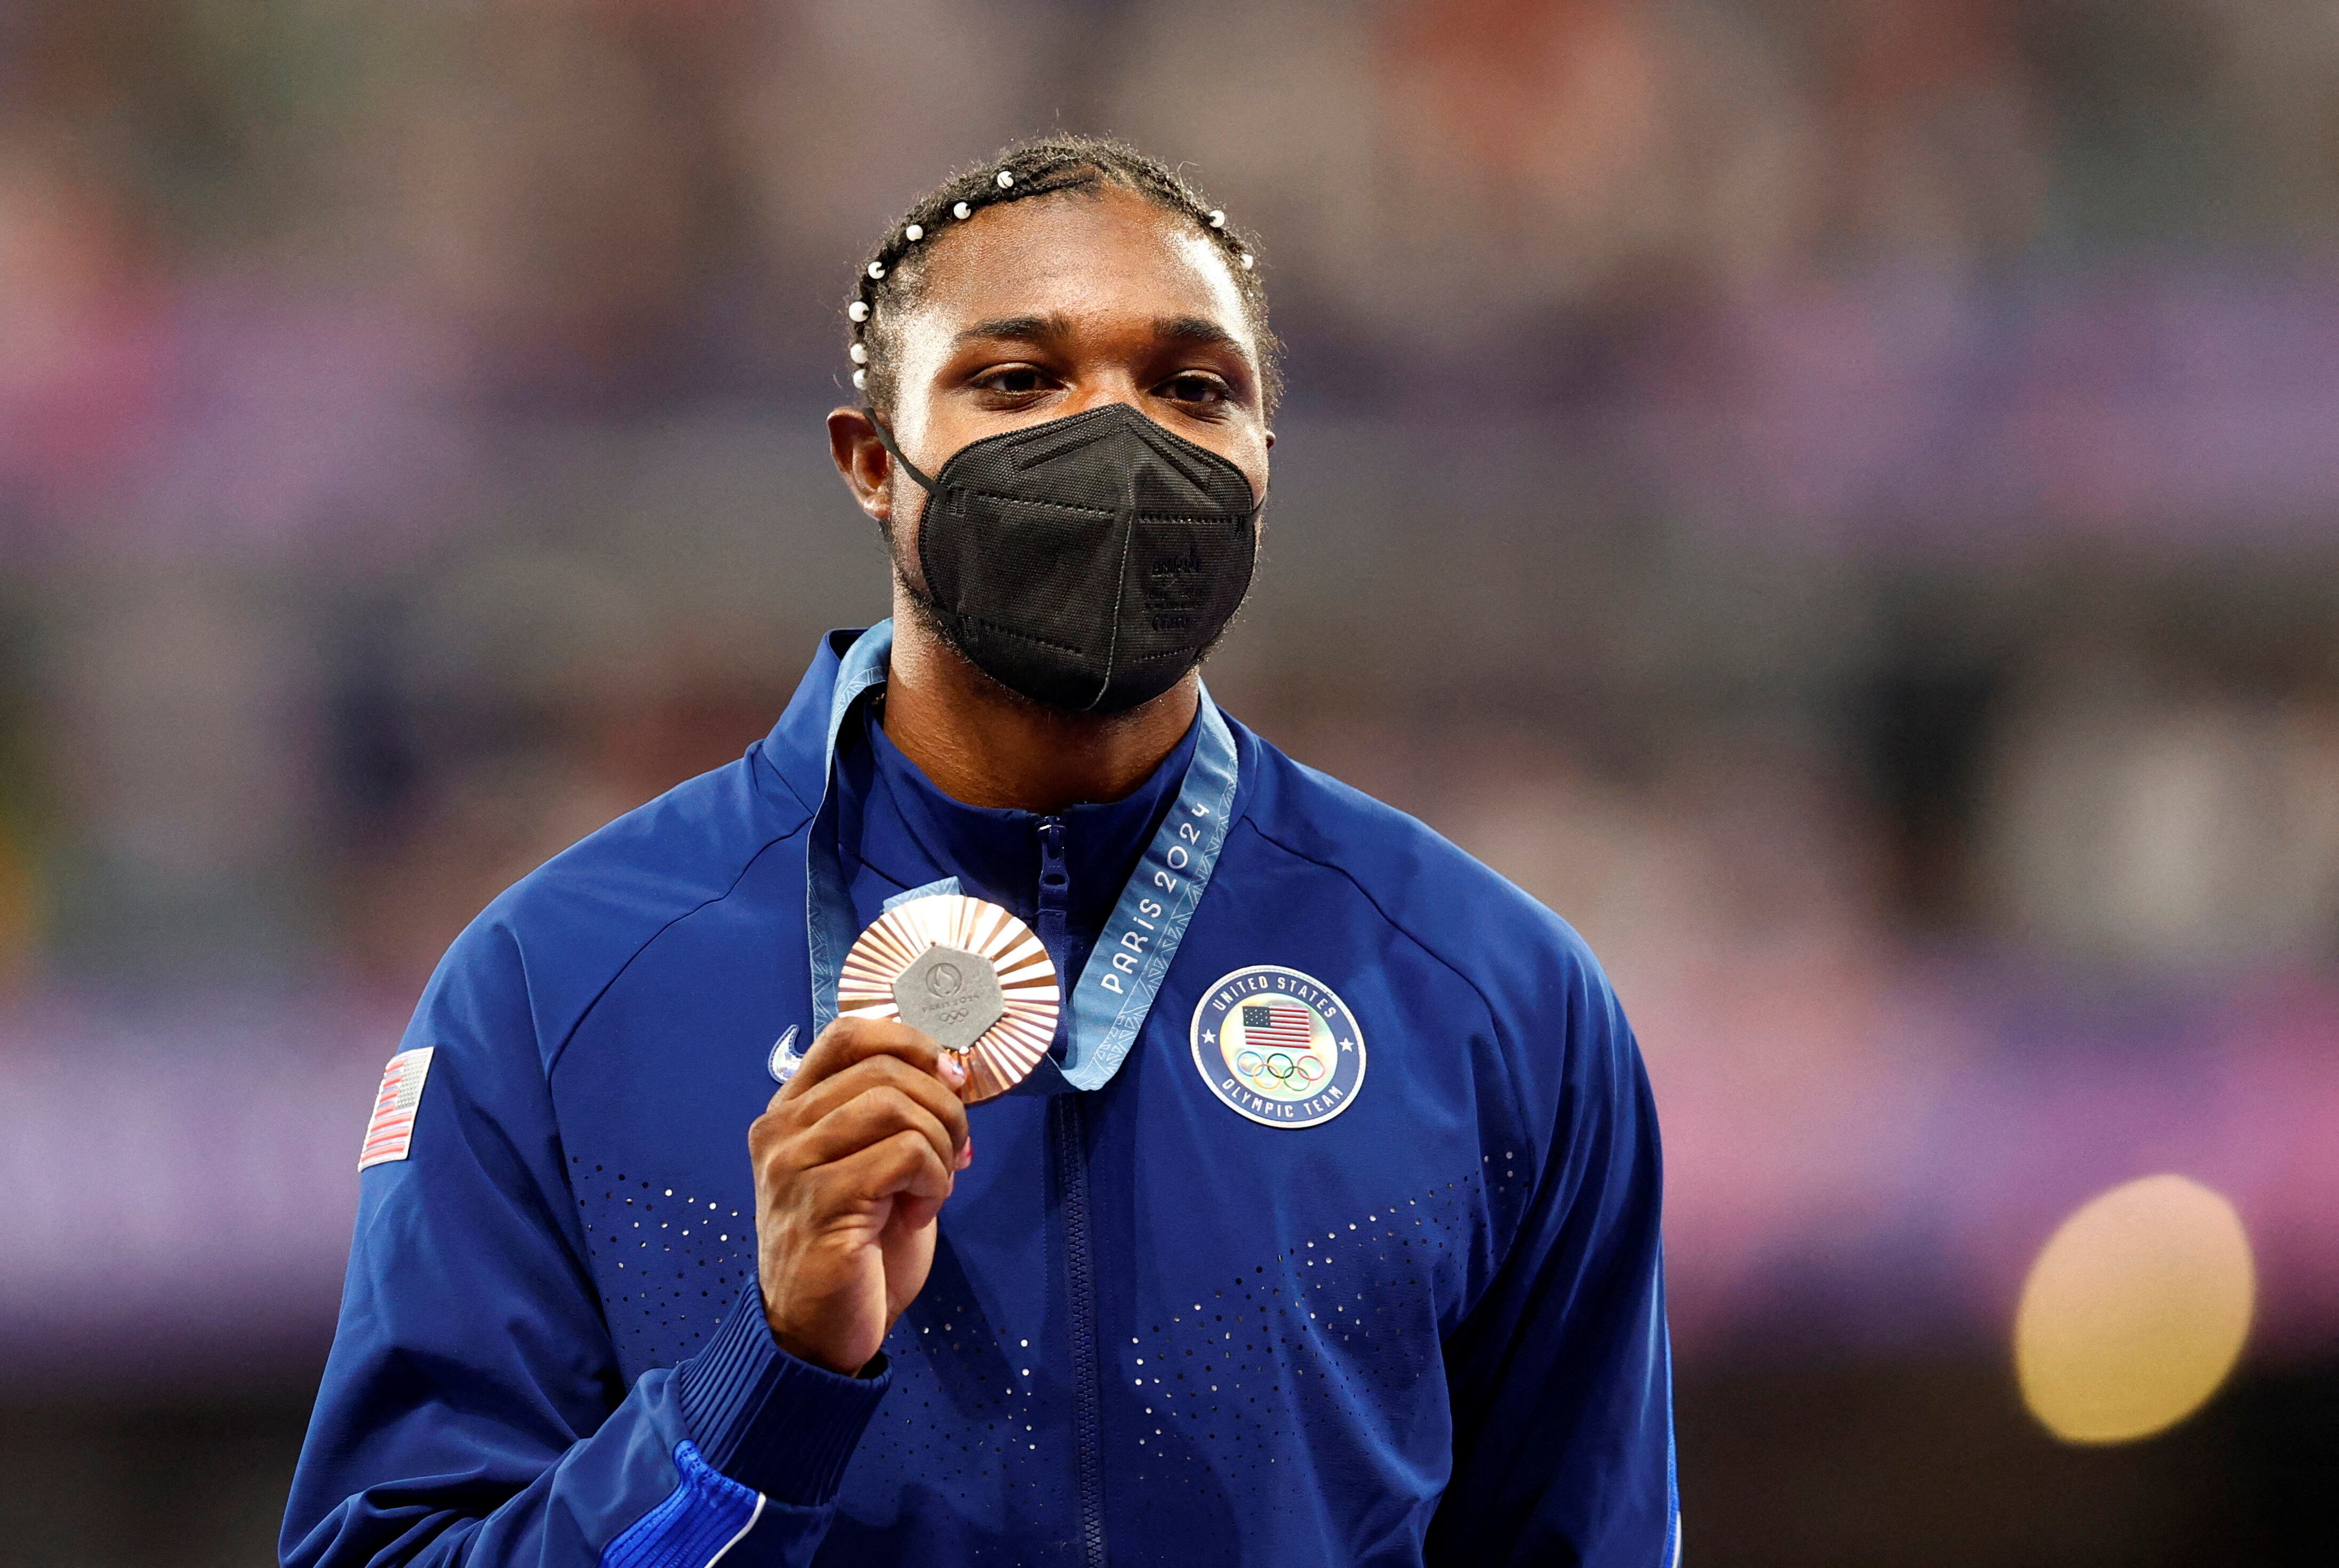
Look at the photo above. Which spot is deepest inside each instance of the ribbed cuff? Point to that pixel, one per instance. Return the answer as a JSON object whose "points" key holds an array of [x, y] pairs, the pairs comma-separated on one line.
{"points": [[769, 1421]]}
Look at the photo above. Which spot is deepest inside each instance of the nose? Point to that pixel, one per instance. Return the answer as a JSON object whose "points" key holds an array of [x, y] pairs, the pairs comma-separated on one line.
{"points": [[1117, 385]]}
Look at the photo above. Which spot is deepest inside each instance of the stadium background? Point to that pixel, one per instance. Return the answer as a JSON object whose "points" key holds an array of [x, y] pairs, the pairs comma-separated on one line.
{"points": [[1837, 497]]}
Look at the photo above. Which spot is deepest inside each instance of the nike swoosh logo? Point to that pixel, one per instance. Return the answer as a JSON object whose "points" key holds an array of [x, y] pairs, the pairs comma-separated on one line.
{"points": [[785, 1059]]}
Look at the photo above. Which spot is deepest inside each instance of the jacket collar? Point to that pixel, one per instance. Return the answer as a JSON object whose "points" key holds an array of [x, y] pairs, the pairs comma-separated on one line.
{"points": [[797, 751], [995, 852]]}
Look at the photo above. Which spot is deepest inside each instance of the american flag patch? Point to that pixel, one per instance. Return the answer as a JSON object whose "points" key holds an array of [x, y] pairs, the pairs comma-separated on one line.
{"points": [[390, 1134], [1272, 1024]]}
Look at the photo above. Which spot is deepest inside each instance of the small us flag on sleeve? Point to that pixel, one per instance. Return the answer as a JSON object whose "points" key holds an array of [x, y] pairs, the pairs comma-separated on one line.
{"points": [[390, 1134]]}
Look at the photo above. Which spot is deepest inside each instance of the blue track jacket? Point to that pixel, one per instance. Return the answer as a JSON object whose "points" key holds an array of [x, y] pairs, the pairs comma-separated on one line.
{"points": [[1429, 1328]]}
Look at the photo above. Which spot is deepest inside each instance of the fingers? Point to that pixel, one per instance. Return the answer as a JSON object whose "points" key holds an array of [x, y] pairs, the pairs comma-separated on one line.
{"points": [[863, 1084], [849, 1041], [869, 1118], [870, 1075], [904, 1163]]}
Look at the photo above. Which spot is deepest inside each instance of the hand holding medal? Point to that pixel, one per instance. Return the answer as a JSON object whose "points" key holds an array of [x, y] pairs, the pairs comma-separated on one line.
{"points": [[945, 1000]]}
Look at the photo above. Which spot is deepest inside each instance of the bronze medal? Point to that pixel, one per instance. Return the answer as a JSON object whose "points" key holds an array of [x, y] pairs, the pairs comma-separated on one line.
{"points": [[964, 971]]}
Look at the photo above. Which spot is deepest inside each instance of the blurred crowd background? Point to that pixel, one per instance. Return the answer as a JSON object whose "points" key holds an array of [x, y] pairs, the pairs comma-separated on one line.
{"points": [[1839, 498]]}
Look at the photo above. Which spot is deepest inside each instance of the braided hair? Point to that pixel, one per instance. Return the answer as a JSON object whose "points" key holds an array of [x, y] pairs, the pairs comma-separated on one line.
{"points": [[891, 273]]}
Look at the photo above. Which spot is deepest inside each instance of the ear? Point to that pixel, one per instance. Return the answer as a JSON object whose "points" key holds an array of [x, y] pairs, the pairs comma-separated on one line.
{"points": [[862, 458]]}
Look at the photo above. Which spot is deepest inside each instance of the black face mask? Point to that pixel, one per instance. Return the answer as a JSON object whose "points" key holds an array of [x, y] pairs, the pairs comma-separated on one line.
{"points": [[1088, 562]]}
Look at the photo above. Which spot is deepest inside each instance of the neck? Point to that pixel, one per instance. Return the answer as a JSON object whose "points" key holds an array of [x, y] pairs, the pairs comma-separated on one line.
{"points": [[982, 744]]}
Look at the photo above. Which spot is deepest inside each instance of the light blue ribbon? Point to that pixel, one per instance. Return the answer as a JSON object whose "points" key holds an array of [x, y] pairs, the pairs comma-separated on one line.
{"points": [[1124, 971], [828, 905]]}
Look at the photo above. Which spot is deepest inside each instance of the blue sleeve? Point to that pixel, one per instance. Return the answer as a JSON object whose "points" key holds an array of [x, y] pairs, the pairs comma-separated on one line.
{"points": [[1562, 1376], [472, 1410]]}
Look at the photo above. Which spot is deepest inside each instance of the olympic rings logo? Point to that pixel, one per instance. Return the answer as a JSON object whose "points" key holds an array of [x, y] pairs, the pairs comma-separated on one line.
{"points": [[1279, 1071]]}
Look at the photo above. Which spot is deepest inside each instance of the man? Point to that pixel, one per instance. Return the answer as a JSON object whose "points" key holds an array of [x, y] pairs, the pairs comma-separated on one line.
{"points": [[1325, 1228]]}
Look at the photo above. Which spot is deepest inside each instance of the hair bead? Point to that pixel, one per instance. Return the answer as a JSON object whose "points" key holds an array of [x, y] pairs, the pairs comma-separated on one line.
{"points": [[1059, 161]]}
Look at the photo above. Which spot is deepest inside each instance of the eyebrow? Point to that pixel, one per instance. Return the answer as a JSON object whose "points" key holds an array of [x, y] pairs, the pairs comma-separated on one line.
{"points": [[1197, 330], [1028, 329]]}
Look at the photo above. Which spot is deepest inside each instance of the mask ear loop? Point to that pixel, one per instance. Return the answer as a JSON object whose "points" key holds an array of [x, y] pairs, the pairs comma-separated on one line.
{"points": [[885, 440], [921, 596]]}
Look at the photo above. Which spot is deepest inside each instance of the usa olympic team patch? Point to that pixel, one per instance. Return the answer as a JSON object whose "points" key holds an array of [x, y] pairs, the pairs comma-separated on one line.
{"points": [[1279, 1047]]}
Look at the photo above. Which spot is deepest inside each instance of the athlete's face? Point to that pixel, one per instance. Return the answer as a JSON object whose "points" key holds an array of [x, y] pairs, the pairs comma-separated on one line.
{"points": [[1053, 306]]}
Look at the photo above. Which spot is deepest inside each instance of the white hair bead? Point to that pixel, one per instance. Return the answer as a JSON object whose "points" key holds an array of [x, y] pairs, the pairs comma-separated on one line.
{"points": [[961, 210], [860, 354], [1246, 263], [858, 310], [860, 378], [876, 269], [1218, 219], [914, 233], [1005, 178]]}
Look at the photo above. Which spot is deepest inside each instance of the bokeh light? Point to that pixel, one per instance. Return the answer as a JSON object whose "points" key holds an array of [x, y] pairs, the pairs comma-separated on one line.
{"points": [[2135, 1312]]}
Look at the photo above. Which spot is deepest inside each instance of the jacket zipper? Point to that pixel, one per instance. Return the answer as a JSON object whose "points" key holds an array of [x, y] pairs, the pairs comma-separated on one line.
{"points": [[1065, 1126]]}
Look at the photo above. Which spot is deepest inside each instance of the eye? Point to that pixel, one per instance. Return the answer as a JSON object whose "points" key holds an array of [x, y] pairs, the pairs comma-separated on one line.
{"points": [[1194, 387], [1014, 380]]}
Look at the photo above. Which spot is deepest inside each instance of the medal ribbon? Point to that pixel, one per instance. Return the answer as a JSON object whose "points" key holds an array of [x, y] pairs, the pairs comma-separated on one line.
{"points": [[1123, 974]]}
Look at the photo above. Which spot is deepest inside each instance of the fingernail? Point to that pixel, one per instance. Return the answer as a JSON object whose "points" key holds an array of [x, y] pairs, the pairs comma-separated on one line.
{"points": [[967, 1152], [952, 1073]]}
